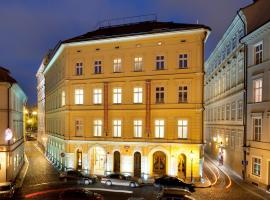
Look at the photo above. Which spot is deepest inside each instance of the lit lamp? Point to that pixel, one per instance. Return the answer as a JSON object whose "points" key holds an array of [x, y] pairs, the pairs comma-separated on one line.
{"points": [[34, 113], [8, 134], [191, 155]]}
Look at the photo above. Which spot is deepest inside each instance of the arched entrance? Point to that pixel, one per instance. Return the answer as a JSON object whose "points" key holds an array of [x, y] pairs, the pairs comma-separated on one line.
{"points": [[159, 163], [116, 162], [79, 159], [137, 164], [182, 163], [97, 160]]}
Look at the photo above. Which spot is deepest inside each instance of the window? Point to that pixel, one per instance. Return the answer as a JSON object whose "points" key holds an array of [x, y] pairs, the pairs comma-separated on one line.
{"points": [[78, 127], [78, 96], [117, 95], [137, 128], [97, 127], [182, 94], [233, 112], [228, 48], [137, 95], [234, 42], [258, 53], [117, 65], [97, 67], [182, 129], [223, 113], [159, 128], [63, 102], [160, 64], [256, 166], [183, 61], [257, 128], [228, 112], [240, 110], [79, 69], [138, 64], [257, 89], [160, 95], [97, 96], [117, 128]]}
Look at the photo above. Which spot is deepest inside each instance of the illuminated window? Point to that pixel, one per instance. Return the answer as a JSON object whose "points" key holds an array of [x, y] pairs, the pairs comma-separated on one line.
{"points": [[63, 102], [160, 95], [138, 62], [117, 128], [183, 61], [79, 159], [159, 128], [79, 69], [182, 129], [137, 95], [240, 110], [78, 96], [160, 63], [257, 90], [258, 50], [137, 128], [78, 127], [97, 127], [233, 112], [97, 96], [97, 67], [117, 95], [256, 166], [117, 65], [257, 128], [228, 111], [182, 94]]}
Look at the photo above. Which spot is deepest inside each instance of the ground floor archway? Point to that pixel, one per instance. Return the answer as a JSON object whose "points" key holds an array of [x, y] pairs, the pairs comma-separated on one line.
{"points": [[116, 162], [182, 163], [137, 164], [159, 163], [98, 160]]}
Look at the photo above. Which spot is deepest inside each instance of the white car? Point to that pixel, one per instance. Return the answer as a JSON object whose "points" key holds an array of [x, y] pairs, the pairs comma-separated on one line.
{"points": [[119, 179], [7, 190]]}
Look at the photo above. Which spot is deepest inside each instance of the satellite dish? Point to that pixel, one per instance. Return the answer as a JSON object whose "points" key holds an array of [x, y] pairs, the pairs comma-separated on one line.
{"points": [[8, 134]]}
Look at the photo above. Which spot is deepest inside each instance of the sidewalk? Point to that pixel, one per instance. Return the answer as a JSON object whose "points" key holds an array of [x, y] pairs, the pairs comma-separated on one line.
{"points": [[20, 178], [238, 180]]}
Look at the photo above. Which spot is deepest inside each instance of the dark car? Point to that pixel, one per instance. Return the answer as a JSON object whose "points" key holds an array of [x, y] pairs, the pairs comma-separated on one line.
{"points": [[173, 182], [79, 194], [77, 176], [174, 194]]}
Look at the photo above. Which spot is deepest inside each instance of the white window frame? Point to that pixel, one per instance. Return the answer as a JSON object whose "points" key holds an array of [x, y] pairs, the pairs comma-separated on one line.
{"points": [[182, 128], [160, 62], [183, 61], [257, 128], [117, 95], [159, 128], [137, 125], [97, 126], [183, 94], [117, 65], [98, 67], [256, 166], [97, 96], [137, 95], [63, 98], [117, 128], [258, 53], [79, 69], [138, 64], [78, 96], [257, 90], [79, 127]]}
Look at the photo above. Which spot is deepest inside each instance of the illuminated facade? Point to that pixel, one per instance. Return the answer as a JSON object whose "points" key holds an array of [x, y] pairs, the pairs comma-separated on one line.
{"points": [[12, 102], [128, 98]]}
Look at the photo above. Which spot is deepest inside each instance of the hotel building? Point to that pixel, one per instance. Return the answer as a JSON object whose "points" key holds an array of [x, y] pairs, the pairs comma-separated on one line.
{"points": [[128, 98]]}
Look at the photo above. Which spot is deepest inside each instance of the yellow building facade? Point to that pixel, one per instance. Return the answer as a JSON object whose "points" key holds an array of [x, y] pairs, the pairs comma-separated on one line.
{"points": [[119, 100]]}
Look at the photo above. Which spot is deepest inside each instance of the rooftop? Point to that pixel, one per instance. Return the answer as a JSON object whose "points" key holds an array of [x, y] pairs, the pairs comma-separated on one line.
{"points": [[5, 76]]}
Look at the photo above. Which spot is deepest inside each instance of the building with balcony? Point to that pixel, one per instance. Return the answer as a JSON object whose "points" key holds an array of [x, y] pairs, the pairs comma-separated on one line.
{"points": [[128, 98]]}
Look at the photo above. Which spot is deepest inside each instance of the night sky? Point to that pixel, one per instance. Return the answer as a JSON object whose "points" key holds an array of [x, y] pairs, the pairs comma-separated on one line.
{"points": [[28, 28]]}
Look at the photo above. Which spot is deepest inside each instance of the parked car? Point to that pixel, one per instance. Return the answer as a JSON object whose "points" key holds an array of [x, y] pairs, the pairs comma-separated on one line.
{"points": [[174, 194], [119, 179], [79, 194], [7, 190], [173, 182], [79, 177]]}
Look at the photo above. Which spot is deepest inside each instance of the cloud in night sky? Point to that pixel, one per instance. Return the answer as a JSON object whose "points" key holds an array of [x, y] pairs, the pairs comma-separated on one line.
{"points": [[29, 28]]}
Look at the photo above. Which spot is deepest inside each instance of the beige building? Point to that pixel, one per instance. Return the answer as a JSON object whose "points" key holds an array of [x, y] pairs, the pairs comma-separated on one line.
{"points": [[128, 98], [12, 102]]}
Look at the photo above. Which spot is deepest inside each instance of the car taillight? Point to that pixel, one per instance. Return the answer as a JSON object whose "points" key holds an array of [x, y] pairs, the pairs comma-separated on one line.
{"points": [[99, 198]]}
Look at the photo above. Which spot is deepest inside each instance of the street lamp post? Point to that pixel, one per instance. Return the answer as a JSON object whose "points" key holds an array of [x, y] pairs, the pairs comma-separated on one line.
{"points": [[191, 155]]}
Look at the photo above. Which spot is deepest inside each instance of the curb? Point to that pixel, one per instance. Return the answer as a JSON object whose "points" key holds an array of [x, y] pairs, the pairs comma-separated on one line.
{"points": [[20, 180]]}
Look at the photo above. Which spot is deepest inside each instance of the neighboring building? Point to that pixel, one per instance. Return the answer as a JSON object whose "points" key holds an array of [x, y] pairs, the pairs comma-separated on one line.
{"points": [[258, 92], [224, 98], [128, 98], [12, 102]]}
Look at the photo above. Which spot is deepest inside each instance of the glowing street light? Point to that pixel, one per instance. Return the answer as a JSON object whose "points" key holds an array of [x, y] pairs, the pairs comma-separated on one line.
{"points": [[8, 134], [191, 155], [34, 113]]}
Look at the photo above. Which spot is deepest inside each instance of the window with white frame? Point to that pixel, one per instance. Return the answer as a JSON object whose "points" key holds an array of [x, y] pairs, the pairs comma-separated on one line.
{"points": [[256, 166], [117, 128], [257, 128], [233, 111], [160, 62], [182, 129], [137, 95], [228, 111], [97, 96], [79, 69], [159, 128], [117, 95], [182, 94], [138, 64], [97, 127], [258, 51], [183, 61], [257, 90], [117, 65], [63, 98], [223, 113], [78, 96], [240, 110], [97, 67], [79, 127], [137, 128], [159, 94]]}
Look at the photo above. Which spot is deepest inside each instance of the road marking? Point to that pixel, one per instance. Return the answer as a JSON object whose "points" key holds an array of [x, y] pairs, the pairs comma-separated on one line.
{"points": [[215, 176], [40, 184], [110, 190]]}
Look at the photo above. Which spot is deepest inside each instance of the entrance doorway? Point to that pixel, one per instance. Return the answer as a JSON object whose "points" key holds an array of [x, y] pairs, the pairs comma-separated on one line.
{"points": [[116, 162], [182, 166], [97, 160], [79, 160], [137, 164], [159, 163]]}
